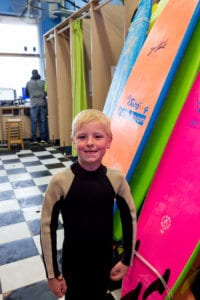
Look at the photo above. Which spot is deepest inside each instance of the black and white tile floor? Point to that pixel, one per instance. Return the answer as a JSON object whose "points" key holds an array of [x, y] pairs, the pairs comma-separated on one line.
{"points": [[24, 176]]}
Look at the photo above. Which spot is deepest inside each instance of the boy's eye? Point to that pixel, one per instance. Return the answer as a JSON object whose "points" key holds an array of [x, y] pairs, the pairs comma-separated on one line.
{"points": [[81, 137], [98, 136]]}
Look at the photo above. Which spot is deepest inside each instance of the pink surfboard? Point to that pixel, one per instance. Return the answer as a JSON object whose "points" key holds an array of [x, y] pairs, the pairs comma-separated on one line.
{"points": [[169, 222]]}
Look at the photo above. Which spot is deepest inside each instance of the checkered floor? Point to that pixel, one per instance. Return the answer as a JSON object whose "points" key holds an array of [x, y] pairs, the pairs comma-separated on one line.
{"points": [[24, 176]]}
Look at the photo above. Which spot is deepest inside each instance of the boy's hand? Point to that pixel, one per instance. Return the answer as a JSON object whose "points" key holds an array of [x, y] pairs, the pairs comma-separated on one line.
{"points": [[57, 286], [118, 271]]}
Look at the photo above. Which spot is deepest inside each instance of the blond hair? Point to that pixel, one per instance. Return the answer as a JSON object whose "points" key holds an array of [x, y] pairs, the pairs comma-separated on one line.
{"points": [[90, 115]]}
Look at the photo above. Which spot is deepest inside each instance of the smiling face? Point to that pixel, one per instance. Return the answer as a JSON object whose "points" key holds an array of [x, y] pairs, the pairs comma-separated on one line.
{"points": [[91, 141]]}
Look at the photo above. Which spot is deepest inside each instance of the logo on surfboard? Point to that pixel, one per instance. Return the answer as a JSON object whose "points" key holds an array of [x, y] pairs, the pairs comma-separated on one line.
{"points": [[135, 112]]}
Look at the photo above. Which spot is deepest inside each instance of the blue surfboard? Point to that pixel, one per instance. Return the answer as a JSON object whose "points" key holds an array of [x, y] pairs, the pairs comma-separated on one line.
{"points": [[134, 41]]}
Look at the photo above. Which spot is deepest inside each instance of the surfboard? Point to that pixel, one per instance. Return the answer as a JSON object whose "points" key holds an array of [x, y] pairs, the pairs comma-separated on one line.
{"points": [[166, 120], [176, 96], [148, 83], [157, 11], [169, 222], [144, 94], [134, 41]]}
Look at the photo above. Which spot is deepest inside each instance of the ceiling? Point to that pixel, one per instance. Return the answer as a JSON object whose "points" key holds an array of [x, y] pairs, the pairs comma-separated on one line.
{"points": [[16, 7]]}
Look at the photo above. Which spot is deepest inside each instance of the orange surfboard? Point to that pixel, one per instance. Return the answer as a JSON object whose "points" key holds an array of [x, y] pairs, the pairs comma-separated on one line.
{"points": [[148, 83]]}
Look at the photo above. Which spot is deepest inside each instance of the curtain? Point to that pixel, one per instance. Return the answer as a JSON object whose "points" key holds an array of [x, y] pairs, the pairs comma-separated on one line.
{"points": [[79, 95]]}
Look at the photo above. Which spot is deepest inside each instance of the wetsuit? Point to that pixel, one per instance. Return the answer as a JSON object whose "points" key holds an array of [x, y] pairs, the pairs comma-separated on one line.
{"points": [[85, 200]]}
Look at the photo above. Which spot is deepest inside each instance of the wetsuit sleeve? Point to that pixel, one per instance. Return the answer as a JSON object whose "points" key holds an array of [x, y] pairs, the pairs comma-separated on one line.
{"points": [[49, 224], [127, 211], [56, 190]]}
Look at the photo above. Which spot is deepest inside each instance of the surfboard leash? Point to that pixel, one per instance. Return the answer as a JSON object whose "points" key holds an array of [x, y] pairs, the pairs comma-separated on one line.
{"points": [[160, 277]]}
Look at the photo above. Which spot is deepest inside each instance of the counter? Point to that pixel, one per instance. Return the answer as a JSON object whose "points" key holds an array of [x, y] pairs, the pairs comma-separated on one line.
{"points": [[20, 112]]}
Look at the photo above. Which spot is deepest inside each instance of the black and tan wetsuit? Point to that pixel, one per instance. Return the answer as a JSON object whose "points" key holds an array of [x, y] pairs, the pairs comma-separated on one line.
{"points": [[85, 200]]}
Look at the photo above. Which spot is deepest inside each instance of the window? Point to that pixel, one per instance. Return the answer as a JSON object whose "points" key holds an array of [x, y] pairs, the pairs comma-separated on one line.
{"points": [[19, 53]]}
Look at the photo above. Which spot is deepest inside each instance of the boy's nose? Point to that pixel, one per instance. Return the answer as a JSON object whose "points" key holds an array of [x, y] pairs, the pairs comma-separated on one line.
{"points": [[90, 140]]}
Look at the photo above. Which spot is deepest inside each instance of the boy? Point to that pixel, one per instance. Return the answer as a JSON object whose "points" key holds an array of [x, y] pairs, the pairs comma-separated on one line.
{"points": [[84, 194]]}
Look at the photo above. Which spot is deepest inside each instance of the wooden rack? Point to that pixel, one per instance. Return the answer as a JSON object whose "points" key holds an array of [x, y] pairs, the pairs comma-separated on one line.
{"points": [[104, 29]]}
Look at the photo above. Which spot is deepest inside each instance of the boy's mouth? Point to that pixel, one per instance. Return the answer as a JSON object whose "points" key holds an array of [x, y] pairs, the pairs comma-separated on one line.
{"points": [[90, 151]]}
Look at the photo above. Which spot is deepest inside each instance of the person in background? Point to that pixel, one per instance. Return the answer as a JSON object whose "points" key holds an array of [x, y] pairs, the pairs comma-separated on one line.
{"points": [[84, 193], [36, 91]]}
